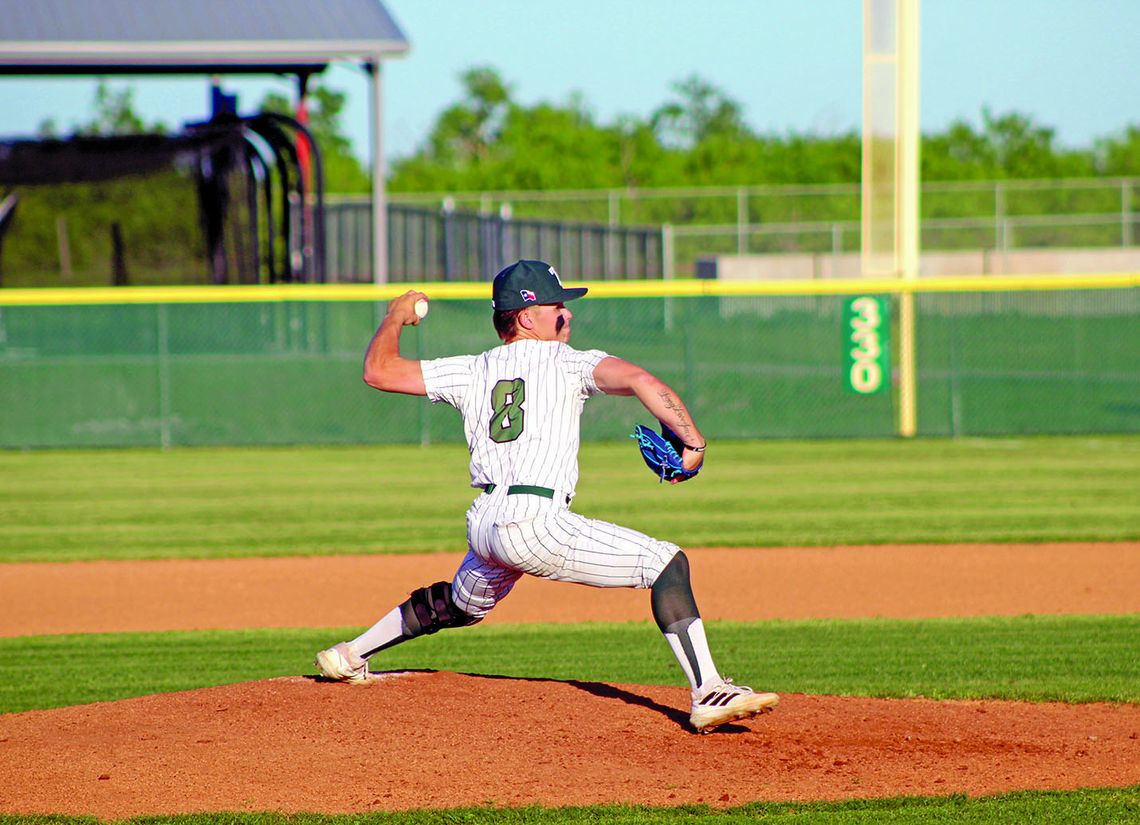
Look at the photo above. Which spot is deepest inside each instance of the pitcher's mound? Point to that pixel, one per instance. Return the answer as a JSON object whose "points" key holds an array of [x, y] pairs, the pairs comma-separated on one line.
{"points": [[438, 740]]}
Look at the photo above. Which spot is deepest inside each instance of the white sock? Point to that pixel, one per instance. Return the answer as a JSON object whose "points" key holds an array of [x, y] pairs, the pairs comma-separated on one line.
{"points": [[687, 638], [382, 634]]}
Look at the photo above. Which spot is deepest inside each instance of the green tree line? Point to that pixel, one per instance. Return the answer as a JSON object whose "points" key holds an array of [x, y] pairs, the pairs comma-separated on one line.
{"points": [[489, 141], [699, 137]]}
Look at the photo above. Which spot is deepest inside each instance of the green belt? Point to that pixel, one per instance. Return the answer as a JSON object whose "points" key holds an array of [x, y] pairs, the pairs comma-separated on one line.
{"points": [[518, 489]]}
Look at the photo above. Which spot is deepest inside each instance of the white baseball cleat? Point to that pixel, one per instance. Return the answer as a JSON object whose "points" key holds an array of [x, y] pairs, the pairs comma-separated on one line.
{"points": [[725, 702], [341, 664]]}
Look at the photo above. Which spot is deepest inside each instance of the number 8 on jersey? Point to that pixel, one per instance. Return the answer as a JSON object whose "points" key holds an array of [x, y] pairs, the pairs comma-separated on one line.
{"points": [[507, 398]]}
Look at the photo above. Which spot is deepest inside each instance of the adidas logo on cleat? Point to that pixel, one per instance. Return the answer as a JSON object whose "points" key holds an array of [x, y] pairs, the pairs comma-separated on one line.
{"points": [[725, 702]]}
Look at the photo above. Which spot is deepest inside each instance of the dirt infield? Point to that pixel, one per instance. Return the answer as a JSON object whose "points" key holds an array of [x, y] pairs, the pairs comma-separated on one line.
{"points": [[912, 581], [429, 740]]}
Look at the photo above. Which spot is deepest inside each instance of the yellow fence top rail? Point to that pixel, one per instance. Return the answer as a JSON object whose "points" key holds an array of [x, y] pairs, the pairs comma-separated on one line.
{"points": [[76, 296]]}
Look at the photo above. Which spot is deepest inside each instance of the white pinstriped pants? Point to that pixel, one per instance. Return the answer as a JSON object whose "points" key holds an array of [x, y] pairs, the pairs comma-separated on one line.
{"points": [[509, 535]]}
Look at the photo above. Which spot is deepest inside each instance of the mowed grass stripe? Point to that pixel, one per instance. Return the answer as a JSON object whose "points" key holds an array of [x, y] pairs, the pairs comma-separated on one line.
{"points": [[213, 502], [1036, 658], [1100, 805]]}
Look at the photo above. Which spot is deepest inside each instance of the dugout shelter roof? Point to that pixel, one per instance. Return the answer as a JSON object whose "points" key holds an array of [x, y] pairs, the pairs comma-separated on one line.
{"points": [[209, 37], [200, 37]]}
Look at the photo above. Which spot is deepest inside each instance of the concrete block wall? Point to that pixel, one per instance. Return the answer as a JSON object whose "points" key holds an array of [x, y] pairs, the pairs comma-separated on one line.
{"points": [[824, 266]]}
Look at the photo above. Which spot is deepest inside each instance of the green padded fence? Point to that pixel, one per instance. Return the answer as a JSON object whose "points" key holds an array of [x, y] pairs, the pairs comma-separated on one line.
{"points": [[174, 373]]}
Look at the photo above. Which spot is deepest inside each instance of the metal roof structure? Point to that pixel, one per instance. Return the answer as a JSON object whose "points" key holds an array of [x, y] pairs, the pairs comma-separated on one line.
{"points": [[208, 37], [196, 36]]}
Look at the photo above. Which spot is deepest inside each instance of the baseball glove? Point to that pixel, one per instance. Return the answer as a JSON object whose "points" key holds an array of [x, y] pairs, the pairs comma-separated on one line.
{"points": [[662, 453]]}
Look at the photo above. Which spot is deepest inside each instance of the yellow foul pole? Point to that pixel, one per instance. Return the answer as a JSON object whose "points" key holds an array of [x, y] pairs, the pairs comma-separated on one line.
{"points": [[890, 196]]}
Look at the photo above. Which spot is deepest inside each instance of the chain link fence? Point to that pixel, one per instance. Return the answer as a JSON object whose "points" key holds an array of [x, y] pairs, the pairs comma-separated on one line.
{"points": [[749, 366], [447, 244], [58, 239], [956, 215]]}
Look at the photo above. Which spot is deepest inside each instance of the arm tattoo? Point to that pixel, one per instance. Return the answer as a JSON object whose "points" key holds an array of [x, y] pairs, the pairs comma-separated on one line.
{"points": [[684, 426]]}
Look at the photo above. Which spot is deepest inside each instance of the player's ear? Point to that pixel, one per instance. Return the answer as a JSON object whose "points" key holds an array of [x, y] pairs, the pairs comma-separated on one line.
{"points": [[524, 320]]}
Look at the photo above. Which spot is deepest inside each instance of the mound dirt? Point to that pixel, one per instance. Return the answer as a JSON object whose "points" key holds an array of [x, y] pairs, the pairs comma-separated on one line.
{"points": [[438, 740]]}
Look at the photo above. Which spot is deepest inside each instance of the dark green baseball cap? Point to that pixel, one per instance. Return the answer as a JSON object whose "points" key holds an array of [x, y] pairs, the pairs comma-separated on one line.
{"points": [[528, 283]]}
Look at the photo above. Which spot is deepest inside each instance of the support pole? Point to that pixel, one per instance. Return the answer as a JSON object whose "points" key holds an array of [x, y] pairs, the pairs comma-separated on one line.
{"points": [[667, 270], [741, 221], [1126, 212], [379, 197]]}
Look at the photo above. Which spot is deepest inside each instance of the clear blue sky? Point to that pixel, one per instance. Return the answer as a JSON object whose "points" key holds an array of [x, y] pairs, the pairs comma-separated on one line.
{"points": [[793, 65]]}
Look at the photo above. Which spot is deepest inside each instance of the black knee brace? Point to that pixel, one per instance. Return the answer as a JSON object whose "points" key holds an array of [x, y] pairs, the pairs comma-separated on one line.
{"points": [[672, 595], [431, 609]]}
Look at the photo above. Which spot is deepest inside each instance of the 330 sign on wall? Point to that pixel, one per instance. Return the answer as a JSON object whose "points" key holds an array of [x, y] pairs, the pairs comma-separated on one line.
{"points": [[866, 344]]}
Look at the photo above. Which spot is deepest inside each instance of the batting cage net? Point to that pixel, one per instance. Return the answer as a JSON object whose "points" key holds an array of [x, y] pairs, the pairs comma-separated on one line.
{"points": [[227, 366]]}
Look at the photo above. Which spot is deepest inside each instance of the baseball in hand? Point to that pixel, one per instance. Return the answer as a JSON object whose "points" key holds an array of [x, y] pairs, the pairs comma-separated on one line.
{"points": [[421, 308]]}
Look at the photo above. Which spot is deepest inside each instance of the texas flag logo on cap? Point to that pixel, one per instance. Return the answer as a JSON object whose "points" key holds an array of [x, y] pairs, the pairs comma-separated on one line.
{"points": [[527, 295]]}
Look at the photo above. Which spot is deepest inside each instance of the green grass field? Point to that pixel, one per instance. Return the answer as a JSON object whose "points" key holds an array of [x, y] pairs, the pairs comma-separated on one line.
{"points": [[1101, 806], [198, 503], [1035, 658], [212, 502]]}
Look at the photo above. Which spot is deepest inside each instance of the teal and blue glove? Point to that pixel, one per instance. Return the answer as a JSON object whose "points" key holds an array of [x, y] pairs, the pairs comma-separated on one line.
{"points": [[662, 453]]}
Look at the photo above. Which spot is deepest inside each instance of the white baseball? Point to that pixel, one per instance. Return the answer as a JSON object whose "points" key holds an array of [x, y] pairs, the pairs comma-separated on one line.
{"points": [[421, 307]]}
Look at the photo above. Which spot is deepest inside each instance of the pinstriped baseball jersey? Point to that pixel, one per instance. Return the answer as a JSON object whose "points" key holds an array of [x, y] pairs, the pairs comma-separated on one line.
{"points": [[521, 404]]}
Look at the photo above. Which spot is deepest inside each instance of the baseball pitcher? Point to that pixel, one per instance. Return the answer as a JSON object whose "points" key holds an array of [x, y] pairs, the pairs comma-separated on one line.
{"points": [[521, 404]]}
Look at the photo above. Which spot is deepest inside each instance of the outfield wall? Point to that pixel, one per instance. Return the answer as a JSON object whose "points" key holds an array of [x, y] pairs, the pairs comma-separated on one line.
{"points": [[185, 366]]}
